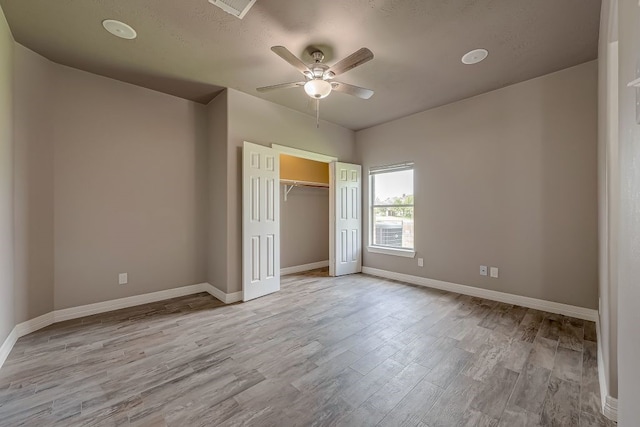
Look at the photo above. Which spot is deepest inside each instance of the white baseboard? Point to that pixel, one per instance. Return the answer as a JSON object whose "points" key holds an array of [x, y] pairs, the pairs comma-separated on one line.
{"points": [[538, 304], [303, 267], [610, 408], [32, 325], [7, 345], [609, 404], [56, 316], [225, 298], [117, 304], [22, 329]]}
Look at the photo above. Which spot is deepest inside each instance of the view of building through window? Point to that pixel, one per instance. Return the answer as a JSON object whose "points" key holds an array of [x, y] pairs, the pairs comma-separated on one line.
{"points": [[392, 207]]}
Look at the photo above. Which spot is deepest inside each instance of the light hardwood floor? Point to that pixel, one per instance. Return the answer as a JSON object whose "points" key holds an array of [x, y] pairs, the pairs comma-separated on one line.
{"points": [[349, 351]]}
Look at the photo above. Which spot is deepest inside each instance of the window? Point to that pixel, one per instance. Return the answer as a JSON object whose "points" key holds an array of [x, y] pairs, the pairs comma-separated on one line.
{"points": [[392, 207]]}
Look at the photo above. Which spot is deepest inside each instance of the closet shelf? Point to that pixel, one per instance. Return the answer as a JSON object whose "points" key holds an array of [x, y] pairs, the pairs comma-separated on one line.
{"points": [[289, 184], [304, 183]]}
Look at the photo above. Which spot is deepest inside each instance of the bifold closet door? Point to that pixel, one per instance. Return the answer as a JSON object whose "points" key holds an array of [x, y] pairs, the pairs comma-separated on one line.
{"points": [[345, 253], [260, 221]]}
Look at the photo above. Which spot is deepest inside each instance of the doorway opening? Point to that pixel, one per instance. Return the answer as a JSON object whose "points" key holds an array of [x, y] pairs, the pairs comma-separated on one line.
{"points": [[276, 226], [304, 214]]}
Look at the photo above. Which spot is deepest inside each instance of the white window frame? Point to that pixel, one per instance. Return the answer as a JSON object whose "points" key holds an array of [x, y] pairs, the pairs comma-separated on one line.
{"points": [[381, 249]]}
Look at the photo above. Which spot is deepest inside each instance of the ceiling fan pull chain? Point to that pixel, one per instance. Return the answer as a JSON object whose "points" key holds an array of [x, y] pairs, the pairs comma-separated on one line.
{"points": [[317, 114]]}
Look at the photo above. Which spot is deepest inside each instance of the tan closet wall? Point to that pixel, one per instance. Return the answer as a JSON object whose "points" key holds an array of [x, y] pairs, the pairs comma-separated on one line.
{"points": [[298, 169]]}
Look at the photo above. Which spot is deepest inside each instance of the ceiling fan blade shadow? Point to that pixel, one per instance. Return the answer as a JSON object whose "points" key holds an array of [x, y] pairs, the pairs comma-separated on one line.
{"points": [[357, 58], [285, 54], [360, 92], [280, 86]]}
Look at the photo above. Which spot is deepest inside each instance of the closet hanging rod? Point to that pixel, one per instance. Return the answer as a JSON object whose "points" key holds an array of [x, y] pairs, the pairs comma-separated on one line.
{"points": [[289, 184], [304, 183]]}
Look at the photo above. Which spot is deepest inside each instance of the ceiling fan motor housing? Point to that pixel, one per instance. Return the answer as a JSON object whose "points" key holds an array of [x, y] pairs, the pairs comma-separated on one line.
{"points": [[317, 56], [318, 69]]}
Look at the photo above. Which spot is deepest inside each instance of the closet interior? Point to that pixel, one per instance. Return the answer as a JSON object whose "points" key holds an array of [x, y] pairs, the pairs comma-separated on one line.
{"points": [[304, 212]]}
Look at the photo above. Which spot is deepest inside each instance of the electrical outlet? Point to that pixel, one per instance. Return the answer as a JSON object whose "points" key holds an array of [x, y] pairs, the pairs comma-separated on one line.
{"points": [[494, 272], [420, 262], [123, 279], [483, 270]]}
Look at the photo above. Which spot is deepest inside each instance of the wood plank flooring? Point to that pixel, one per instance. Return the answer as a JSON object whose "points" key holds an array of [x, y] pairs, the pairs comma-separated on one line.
{"points": [[349, 351]]}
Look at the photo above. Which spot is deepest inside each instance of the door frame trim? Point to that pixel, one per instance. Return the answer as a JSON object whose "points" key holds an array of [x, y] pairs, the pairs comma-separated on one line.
{"points": [[304, 154]]}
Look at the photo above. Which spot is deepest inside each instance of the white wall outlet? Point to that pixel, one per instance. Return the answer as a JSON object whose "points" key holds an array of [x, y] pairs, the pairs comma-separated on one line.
{"points": [[483, 270], [420, 262], [123, 279], [494, 272]]}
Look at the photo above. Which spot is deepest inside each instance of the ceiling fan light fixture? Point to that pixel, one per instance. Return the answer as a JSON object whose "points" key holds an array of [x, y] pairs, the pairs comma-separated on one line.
{"points": [[317, 88]]}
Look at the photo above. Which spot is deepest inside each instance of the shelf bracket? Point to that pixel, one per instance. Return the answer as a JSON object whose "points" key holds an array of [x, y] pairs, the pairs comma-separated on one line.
{"points": [[287, 190]]}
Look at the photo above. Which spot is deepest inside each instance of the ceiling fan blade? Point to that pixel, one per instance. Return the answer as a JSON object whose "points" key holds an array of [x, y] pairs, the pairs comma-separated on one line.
{"points": [[280, 86], [359, 57], [360, 92], [285, 54]]}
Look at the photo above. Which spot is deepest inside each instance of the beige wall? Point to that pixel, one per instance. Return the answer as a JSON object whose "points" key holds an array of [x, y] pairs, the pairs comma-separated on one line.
{"points": [[130, 177], [6, 180], [629, 232], [217, 189], [608, 193], [137, 175], [33, 191], [255, 120], [505, 179]]}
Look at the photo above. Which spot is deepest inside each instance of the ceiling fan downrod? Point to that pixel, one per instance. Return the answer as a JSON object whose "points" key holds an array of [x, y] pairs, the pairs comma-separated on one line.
{"points": [[317, 56]]}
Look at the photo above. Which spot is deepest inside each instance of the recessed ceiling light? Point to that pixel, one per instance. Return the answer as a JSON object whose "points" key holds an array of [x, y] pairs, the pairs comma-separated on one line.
{"points": [[474, 56], [119, 29]]}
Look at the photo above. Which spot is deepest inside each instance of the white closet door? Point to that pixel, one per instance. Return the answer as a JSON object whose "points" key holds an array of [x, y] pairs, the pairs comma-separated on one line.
{"points": [[346, 219], [260, 221]]}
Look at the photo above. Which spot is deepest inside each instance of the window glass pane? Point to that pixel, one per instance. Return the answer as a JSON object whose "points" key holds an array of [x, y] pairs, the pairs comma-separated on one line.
{"points": [[393, 227], [393, 188], [393, 223]]}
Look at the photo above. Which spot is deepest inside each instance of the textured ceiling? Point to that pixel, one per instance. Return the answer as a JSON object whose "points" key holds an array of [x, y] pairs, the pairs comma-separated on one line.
{"points": [[191, 48]]}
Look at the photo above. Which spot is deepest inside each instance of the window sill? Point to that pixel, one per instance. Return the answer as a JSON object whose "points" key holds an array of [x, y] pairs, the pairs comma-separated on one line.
{"points": [[407, 253]]}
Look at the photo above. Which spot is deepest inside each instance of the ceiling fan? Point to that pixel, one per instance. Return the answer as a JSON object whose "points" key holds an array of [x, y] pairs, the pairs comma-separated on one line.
{"points": [[319, 76]]}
